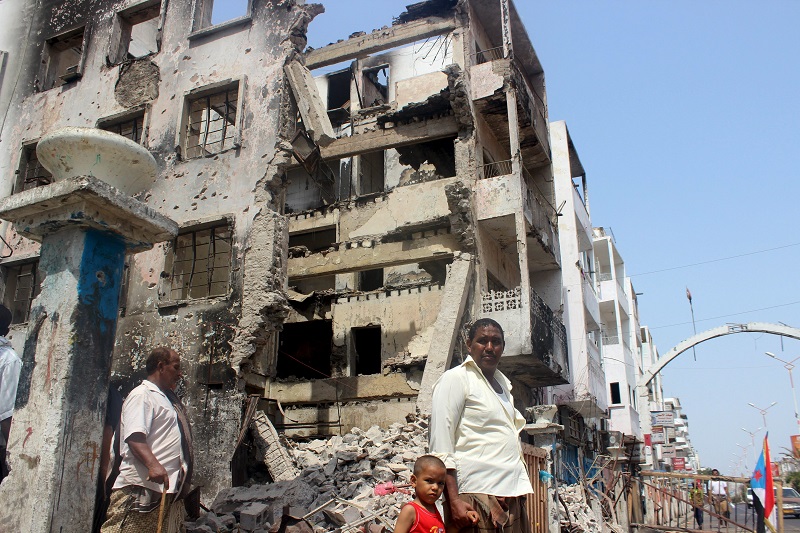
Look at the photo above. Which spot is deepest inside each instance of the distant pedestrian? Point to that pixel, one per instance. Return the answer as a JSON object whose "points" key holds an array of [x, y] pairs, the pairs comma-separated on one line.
{"points": [[697, 498], [10, 366], [719, 495], [156, 453]]}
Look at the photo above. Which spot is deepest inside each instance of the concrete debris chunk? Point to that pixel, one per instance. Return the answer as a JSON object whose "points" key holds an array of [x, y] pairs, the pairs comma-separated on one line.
{"points": [[580, 512]]}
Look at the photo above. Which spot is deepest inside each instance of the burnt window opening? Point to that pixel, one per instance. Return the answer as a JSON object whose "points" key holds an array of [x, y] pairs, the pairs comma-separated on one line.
{"points": [[314, 241], [31, 173], [200, 264], [371, 174], [330, 180], [616, 396], [139, 32], [22, 286], [131, 127], [212, 125], [366, 350], [370, 280], [437, 269], [428, 161], [210, 13], [375, 86], [305, 350], [64, 58], [339, 97]]}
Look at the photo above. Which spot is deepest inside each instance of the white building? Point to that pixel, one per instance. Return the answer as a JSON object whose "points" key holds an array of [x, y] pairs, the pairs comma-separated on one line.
{"points": [[621, 342]]}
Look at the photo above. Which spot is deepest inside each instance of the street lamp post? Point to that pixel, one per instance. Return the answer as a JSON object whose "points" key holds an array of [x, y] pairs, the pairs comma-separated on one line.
{"points": [[753, 440], [789, 366], [763, 411]]}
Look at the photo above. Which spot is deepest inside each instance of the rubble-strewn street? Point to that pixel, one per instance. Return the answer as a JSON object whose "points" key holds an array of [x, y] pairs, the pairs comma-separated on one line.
{"points": [[348, 467]]}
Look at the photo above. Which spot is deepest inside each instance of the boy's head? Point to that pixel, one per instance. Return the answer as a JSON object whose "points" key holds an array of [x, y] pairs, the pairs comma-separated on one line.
{"points": [[428, 478]]}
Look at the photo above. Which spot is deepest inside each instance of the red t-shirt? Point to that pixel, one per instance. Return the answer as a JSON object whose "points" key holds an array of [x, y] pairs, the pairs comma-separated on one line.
{"points": [[426, 521]]}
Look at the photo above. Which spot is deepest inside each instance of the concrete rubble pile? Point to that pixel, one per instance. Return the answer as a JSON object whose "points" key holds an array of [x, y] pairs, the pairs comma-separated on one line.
{"points": [[345, 469], [581, 515]]}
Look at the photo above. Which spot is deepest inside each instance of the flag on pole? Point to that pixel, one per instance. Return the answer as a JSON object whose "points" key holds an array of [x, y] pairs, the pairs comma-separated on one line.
{"points": [[761, 482]]}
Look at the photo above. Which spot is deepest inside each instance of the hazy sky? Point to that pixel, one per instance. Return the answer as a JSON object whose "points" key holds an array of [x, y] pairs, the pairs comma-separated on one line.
{"points": [[685, 115]]}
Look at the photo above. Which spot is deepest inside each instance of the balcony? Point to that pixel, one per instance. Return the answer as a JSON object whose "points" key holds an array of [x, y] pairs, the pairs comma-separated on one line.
{"points": [[500, 196], [543, 227], [489, 80], [536, 340]]}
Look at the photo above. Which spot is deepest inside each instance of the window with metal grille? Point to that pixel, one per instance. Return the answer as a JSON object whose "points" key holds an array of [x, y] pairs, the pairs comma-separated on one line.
{"points": [[31, 173], [211, 127], [130, 127], [22, 286], [200, 263]]}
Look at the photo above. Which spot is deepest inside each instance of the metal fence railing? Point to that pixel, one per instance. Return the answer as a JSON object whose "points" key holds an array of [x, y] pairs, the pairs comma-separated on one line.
{"points": [[498, 168]]}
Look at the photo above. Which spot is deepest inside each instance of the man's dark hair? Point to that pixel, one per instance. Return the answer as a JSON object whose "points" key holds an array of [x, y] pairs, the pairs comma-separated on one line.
{"points": [[425, 461], [5, 320], [162, 354], [482, 322]]}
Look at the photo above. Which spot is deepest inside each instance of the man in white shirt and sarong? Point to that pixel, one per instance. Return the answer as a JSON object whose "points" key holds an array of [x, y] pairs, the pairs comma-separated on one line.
{"points": [[156, 453], [475, 431]]}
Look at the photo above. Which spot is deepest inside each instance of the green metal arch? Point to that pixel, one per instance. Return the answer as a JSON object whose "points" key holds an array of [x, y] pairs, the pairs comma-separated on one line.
{"points": [[729, 329]]}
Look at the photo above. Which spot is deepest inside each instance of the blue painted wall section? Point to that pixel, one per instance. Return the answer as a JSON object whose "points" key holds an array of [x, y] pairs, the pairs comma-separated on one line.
{"points": [[101, 276]]}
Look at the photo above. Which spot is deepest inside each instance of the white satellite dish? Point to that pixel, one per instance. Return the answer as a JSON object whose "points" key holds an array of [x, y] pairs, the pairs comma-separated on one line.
{"points": [[118, 161]]}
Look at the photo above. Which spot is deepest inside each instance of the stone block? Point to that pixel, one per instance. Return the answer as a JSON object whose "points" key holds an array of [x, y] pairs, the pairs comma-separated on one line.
{"points": [[253, 516]]}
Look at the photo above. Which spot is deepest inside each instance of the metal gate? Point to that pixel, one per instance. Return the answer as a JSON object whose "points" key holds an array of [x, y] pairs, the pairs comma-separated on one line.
{"points": [[536, 460]]}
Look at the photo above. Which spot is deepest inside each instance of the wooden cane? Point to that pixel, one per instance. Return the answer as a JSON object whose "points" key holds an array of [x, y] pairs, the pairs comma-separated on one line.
{"points": [[161, 508]]}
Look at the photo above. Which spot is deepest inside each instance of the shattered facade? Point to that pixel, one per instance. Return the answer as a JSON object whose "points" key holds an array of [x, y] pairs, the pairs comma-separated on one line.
{"points": [[344, 211]]}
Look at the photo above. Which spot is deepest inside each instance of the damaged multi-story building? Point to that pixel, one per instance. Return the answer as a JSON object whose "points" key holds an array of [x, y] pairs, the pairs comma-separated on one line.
{"points": [[344, 212]]}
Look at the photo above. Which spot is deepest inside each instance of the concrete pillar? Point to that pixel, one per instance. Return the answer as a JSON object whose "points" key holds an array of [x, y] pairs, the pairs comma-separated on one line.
{"points": [[85, 226], [446, 328], [58, 423]]}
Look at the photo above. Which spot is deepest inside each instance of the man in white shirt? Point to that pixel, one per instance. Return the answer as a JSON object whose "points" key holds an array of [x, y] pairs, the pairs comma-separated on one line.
{"points": [[156, 451], [10, 366], [474, 430], [719, 495]]}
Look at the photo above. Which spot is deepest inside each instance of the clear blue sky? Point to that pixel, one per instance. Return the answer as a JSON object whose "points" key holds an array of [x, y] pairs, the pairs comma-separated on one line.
{"points": [[686, 117]]}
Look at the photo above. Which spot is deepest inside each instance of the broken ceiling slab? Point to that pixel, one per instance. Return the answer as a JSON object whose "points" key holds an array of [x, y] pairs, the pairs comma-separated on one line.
{"points": [[425, 9], [355, 256], [365, 45], [383, 139], [313, 112]]}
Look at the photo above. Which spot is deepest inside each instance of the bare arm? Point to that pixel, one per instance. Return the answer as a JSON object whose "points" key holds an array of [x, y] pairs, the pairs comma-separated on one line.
{"points": [[461, 513], [141, 450], [105, 454], [406, 519]]}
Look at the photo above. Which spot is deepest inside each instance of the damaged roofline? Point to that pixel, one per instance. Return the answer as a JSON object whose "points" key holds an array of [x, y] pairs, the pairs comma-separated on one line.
{"points": [[378, 40]]}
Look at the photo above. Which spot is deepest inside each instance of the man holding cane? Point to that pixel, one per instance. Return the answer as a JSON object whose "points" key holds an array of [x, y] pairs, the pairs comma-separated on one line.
{"points": [[156, 450]]}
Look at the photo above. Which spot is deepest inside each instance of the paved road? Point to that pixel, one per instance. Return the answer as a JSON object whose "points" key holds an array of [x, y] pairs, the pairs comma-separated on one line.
{"points": [[790, 524]]}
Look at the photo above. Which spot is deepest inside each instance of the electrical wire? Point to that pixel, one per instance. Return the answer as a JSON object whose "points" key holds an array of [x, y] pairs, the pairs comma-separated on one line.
{"points": [[715, 260]]}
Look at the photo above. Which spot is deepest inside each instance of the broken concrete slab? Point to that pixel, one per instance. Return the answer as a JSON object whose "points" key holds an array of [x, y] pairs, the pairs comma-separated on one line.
{"points": [[312, 110], [446, 330]]}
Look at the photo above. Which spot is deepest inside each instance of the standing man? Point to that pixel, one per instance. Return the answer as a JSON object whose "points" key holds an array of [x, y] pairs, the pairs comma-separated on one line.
{"points": [[719, 495], [156, 452], [10, 365], [475, 429]]}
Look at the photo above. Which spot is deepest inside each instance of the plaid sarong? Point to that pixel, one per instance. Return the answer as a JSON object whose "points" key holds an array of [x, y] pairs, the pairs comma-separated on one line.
{"points": [[509, 518], [124, 514]]}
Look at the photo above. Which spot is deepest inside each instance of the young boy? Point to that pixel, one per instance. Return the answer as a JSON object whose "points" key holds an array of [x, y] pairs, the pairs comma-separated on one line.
{"points": [[421, 515]]}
